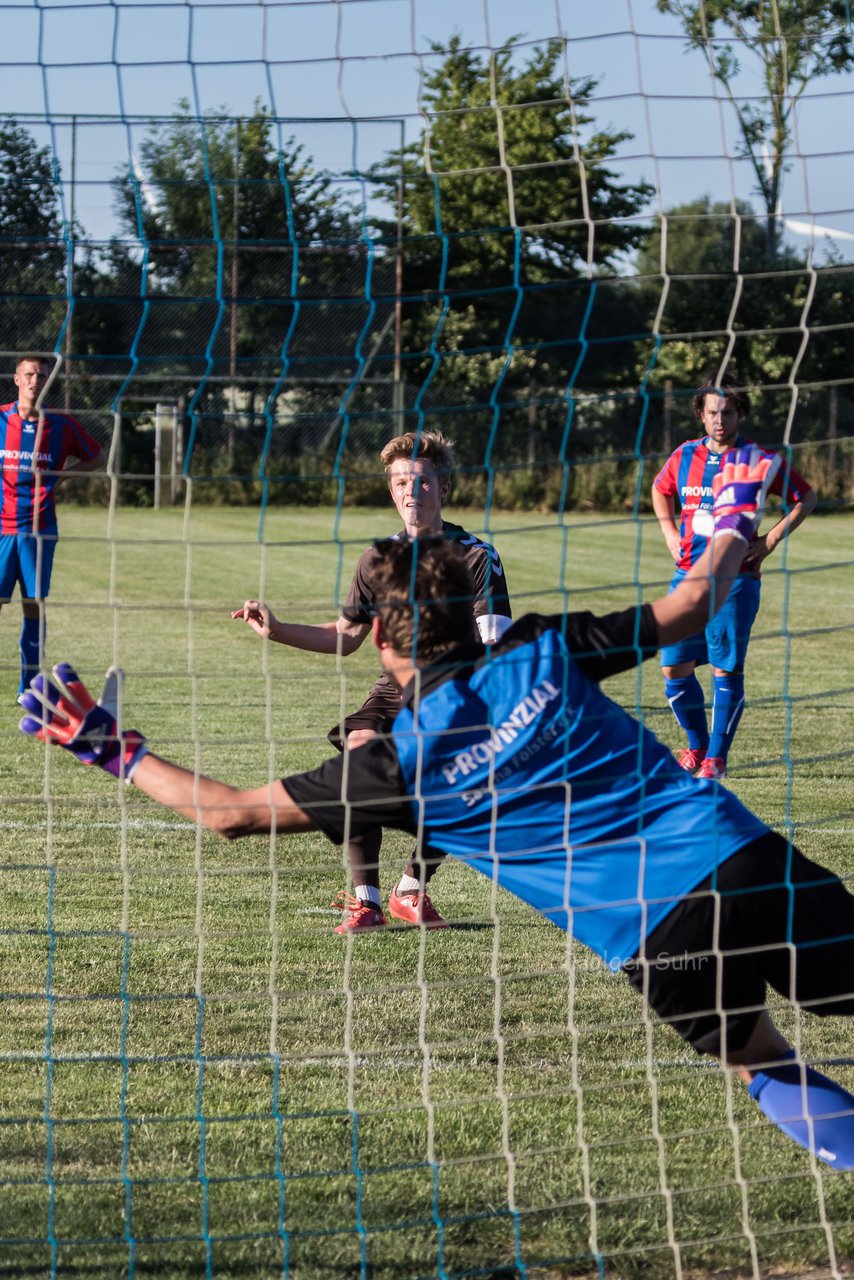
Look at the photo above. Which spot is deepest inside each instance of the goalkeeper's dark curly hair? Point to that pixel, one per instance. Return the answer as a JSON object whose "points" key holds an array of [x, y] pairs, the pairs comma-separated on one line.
{"points": [[424, 595], [728, 385]]}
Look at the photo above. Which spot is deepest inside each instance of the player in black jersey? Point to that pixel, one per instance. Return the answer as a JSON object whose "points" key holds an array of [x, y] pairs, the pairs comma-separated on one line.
{"points": [[420, 469]]}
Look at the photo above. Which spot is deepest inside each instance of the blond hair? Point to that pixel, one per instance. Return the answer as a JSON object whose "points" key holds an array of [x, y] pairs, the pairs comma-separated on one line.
{"points": [[430, 445]]}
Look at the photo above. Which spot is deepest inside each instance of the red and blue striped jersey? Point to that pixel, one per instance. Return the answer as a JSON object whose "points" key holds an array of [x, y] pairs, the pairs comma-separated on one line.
{"points": [[688, 474], [24, 450]]}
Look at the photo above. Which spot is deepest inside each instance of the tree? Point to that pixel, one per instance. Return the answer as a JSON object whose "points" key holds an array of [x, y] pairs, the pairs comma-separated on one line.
{"points": [[510, 206], [238, 232], [32, 247], [780, 324], [719, 283], [794, 42]]}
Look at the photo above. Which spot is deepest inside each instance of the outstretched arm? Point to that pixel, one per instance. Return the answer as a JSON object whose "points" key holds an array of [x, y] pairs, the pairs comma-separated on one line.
{"points": [[342, 637], [226, 810]]}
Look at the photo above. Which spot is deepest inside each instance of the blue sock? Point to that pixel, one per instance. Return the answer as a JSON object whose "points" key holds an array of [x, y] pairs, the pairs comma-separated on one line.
{"points": [[726, 712], [828, 1126], [688, 704], [29, 647]]}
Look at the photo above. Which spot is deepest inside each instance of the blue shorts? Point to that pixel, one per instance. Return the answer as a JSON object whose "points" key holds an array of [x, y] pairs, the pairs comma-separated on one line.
{"points": [[19, 563], [724, 641]]}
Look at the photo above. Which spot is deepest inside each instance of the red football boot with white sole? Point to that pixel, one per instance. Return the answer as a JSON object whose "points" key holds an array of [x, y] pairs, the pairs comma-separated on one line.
{"points": [[415, 908]]}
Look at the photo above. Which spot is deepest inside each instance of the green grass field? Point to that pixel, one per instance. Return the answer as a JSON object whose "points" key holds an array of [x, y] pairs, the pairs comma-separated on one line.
{"points": [[199, 1078]]}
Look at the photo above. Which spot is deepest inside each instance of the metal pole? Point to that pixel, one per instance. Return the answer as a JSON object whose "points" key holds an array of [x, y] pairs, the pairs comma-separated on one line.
{"points": [[71, 227], [667, 416], [179, 450], [173, 491], [398, 398], [158, 441], [232, 351], [832, 431]]}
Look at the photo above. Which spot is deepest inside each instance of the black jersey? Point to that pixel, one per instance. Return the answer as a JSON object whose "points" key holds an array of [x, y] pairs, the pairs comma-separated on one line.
{"points": [[491, 604]]}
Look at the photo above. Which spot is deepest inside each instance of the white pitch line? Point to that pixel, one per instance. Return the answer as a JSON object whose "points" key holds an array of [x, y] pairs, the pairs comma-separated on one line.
{"points": [[132, 824], [317, 911]]}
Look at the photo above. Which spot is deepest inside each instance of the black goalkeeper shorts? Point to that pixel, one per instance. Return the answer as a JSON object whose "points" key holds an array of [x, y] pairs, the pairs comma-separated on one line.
{"points": [[377, 712], [767, 916]]}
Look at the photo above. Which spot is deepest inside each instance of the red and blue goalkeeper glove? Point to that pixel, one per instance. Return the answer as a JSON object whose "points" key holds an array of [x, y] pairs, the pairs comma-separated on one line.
{"points": [[740, 488], [62, 710]]}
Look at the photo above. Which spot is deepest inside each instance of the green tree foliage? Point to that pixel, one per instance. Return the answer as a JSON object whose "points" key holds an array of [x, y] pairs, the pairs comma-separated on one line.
{"points": [[32, 249], [245, 243], [706, 275], [793, 42], [712, 295], [510, 206], [829, 356]]}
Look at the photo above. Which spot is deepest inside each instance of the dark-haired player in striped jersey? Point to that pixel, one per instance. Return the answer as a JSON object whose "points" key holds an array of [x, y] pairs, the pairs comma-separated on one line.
{"points": [[687, 477], [420, 469]]}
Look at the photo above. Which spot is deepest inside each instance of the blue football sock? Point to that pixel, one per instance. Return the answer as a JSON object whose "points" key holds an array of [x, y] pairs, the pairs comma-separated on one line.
{"points": [[825, 1126], [29, 647], [726, 712], [688, 704]]}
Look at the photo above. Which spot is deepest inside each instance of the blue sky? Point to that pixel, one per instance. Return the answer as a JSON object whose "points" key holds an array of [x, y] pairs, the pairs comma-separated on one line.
{"points": [[338, 61]]}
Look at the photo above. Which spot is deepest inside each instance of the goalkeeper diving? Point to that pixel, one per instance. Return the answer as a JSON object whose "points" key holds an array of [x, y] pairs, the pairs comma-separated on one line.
{"points": [[515, 762]]}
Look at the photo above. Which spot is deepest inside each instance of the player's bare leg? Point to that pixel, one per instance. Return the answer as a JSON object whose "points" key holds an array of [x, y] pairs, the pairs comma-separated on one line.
{"points": [[766, 1045], [409, 900], [364, 905]]}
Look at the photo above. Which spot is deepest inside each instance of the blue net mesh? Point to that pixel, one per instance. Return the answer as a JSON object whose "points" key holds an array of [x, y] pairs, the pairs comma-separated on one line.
{"points": [[255, 242]]}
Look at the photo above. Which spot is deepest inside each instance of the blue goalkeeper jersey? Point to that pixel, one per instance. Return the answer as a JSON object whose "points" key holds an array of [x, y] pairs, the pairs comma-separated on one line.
{"points": [[518, 764]]}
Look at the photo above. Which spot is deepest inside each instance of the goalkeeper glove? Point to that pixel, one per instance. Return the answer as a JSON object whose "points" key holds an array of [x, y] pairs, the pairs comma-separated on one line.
{"points": [[740, 488], [62, 710]]}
